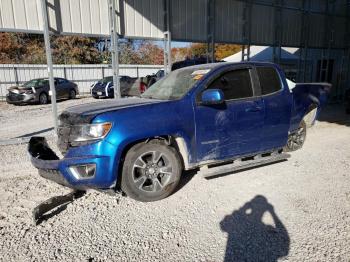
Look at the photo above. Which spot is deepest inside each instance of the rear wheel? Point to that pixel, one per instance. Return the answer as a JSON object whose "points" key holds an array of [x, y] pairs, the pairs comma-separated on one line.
{"points": [[43, 99], [296, 140], [72, 94], [151, 171]]}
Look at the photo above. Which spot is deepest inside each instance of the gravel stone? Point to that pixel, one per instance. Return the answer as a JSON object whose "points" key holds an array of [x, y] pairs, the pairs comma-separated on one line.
{"points": [[297, 210]]}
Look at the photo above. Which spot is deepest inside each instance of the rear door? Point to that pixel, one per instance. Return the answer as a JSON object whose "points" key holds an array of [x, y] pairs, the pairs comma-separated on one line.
{"points": [[277, 102], [234, 128], [59, 90], [65, 87]]}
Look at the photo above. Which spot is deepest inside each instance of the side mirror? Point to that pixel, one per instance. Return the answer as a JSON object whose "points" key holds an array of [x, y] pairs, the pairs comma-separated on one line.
{"points": [[212, 97]]}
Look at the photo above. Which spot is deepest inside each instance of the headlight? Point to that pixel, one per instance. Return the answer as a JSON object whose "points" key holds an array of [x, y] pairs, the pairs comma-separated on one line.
{"points": [[81, 133]]}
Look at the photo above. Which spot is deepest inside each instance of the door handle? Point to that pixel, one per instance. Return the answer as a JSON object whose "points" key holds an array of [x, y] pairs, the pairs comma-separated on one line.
{"points": [[254, 109]]}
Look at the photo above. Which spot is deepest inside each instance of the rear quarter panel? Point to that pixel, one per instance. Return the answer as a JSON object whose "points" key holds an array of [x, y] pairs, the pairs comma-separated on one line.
{"points": [[307, 96]]}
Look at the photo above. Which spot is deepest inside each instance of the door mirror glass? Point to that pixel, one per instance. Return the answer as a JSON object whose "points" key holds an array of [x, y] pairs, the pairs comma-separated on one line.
{"points": [[212, 97]]}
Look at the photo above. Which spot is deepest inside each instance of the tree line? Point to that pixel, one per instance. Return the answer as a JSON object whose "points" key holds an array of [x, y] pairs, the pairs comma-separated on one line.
{"points": [[20, 48]]}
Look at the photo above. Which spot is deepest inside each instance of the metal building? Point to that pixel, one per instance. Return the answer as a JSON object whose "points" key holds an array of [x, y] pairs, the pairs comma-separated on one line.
{"points": [[321, 25]]}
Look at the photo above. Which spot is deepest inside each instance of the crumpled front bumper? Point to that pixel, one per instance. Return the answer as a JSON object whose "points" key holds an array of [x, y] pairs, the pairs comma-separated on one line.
{"points": [[51, 167], [13, 98], [45, 160]]}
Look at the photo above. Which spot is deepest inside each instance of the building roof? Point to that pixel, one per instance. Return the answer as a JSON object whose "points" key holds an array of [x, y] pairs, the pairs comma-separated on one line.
{"points": [[264, 53]]}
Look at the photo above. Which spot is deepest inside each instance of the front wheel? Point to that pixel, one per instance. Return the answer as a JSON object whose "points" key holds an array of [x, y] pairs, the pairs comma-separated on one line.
{"points": [[296, 140], [151, 171]]}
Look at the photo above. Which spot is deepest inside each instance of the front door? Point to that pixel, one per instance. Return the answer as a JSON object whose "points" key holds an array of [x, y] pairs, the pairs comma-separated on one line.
{"points": [[235, 127]]}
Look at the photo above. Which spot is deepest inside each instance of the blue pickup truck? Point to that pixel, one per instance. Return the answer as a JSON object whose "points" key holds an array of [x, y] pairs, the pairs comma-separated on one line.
{"points": [[205, 116]]}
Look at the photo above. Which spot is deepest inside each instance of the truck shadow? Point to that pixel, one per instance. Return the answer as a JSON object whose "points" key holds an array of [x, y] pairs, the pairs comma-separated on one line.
{"points": [[186, 177], [249, 238]]}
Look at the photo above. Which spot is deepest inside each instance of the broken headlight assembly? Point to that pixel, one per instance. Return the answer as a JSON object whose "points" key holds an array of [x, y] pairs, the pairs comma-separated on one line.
{"points": [[80, 134]]}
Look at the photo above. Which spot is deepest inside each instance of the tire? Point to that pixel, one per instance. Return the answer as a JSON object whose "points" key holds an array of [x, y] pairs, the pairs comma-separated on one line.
{"points": [[43, 99], [72, 94], [296, 140], [142, 176]]}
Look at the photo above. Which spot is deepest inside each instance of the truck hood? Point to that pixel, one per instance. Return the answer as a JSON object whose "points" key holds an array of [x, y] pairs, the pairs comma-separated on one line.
{"points": [[82, 114]]}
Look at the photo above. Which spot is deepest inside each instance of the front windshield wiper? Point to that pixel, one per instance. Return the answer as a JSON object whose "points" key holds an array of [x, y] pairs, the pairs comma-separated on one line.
{"points": [[147, 97]]}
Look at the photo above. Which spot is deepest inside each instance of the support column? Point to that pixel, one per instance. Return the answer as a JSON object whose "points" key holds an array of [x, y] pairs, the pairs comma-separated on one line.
{"points": [[304, 41], [277, 43], [345, 65], [246, 30], [210, 31], [114, 48], [167, 38], [167, 52], [49, 62], [325, 53]]}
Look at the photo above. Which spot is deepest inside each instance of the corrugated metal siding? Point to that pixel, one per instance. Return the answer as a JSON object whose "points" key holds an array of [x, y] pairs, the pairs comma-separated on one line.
{"points": [[291, 27], [317, 29], [189, 20], [229, 22], [145, 19], [262, 25]]}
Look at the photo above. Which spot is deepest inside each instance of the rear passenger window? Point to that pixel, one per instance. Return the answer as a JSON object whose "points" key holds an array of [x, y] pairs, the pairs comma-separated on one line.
{"points": [[62, 81], [269, 80], [234, 84]]}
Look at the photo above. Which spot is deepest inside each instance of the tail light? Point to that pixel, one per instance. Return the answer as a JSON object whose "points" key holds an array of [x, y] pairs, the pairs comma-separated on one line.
{"points": [[142, 87]]}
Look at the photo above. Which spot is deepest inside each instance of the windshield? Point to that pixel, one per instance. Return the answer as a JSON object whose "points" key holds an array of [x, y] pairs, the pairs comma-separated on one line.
{"points": [[36, 83], [175, 85]]}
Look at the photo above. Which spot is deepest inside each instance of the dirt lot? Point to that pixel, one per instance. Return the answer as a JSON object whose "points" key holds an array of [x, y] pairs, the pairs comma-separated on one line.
{"points": [[298, 210], [25, 120]]}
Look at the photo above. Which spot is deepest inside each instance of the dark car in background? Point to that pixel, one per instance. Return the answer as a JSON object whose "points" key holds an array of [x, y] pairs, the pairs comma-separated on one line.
{"points": [[129, 86], [151, 79], [38, 91]]}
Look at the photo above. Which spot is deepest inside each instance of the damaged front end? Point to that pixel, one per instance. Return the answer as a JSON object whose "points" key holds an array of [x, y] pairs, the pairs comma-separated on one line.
{"points": [[77, 173], [82, 167], [45, 160]]}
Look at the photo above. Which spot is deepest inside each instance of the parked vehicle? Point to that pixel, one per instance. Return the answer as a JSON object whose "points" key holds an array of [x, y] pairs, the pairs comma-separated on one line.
{"points": [[189, 62], [212, 116], [38, 91], [151, 79], [129, 86]]}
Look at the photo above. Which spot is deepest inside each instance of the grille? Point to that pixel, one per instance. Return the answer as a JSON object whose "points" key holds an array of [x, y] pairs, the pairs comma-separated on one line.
{"points": [[15, 97], [63, 133]]}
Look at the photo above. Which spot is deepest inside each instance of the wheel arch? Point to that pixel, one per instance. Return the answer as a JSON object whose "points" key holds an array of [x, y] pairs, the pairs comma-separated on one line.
{"points": [[177, 142], [311, 113]]}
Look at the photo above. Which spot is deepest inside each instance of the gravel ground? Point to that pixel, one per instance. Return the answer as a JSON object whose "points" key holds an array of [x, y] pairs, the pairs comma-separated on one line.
{"points": [[23, 120], [297, 210]]}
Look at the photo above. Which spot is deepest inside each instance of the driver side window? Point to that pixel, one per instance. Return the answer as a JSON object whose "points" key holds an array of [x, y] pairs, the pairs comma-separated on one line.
{"points": [[235, 84]]}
